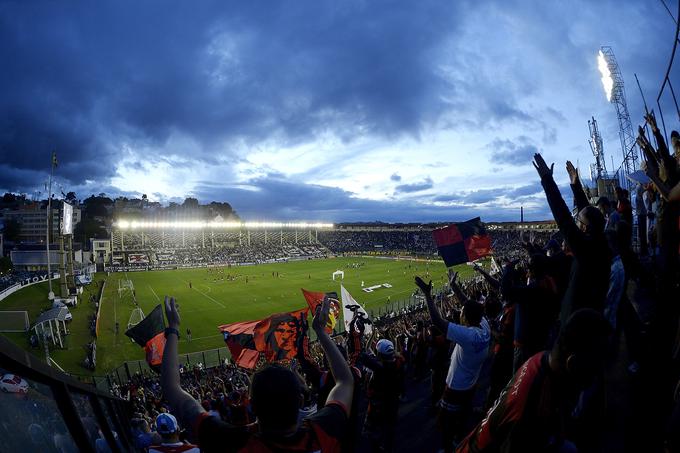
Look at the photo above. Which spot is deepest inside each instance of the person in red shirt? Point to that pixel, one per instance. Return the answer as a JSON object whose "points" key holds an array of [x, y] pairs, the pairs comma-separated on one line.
{"points": [[275, 395], [531, 412]]}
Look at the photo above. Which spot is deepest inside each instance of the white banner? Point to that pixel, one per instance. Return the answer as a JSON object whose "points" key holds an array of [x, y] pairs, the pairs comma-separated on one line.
{"points": [[350, 307], [67, 219]]}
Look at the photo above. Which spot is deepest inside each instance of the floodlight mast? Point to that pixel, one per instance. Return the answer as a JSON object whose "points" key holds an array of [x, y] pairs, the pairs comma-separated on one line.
{"points": [[612, 80], [599, 169]]}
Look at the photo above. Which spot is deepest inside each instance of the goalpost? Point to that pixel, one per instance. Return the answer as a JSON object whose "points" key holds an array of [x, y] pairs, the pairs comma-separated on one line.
{"points": [[136, 317], [125, 285], [340, 274], [14, 321]]}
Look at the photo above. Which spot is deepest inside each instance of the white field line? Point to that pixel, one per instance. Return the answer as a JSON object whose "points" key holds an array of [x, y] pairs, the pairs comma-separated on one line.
{"points": [[154, 293], [204, 294]]}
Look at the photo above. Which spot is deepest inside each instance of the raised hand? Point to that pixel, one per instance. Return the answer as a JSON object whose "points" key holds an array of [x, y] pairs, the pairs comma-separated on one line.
{"points": [[573, 172], [541, 167], [651, 120], [426, 288], [172, 312], [453, 277], [321, 316]]}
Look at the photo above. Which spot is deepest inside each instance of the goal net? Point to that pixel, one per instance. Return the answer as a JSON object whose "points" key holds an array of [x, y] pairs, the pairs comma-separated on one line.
{"points": [[14, 321], [125, 285], [136, 317]]}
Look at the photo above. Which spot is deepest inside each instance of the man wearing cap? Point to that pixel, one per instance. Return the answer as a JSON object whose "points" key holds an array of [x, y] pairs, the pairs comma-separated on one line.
{"points": [[472, 338], [168, 428], [384, 387]]}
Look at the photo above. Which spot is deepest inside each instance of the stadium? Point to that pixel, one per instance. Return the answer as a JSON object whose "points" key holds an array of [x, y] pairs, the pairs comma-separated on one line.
{"points": [[304, 227], [222, 273]]}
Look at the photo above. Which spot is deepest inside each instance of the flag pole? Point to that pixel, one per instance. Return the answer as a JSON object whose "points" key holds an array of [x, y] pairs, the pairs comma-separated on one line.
{"points": [[49, 206]]}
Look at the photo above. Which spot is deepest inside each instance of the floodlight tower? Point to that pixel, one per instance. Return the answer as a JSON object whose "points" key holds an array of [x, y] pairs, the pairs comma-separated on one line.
{"points": [[598, 170], [612, 80]]}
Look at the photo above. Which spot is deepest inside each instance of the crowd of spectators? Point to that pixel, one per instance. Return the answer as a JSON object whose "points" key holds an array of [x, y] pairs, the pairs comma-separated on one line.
{"points": [[236, 255], [519, 359], [13, 277]]}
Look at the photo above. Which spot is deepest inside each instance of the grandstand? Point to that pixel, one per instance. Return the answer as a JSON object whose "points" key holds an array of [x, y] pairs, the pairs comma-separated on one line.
{"points": [[155, 245]]}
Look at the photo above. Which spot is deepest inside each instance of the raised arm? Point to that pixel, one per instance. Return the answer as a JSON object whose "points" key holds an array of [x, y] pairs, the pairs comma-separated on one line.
{"points": [[182, 404], [559, 208], [344, 382], [455, 287], [580, 198], [437, 319], [495, 283]]}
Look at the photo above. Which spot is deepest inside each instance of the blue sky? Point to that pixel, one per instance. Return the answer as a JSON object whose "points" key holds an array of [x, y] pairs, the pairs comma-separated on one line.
{"points": [[318, 110]]}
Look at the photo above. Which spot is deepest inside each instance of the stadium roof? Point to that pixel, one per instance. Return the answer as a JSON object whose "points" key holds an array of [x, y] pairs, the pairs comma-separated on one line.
{"points": [[58, 314]]}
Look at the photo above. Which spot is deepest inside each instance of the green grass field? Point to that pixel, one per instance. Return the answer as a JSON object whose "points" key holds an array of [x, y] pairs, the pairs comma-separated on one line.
{"points": [[214, 300]]}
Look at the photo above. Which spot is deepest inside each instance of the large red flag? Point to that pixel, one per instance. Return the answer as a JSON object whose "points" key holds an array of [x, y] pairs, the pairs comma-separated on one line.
{"points": [[314, 298], [275, 336]]}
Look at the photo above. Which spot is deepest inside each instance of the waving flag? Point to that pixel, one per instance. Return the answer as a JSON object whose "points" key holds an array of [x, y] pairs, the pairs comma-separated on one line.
{"points": [[315, 298], [239, 337], [351, 309], [149, 334], [462, 242], [275, 336]]}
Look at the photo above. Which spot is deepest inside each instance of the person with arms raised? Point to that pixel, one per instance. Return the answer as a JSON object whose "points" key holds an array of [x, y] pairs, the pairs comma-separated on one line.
{"points": [[472, 337], [584, 236], [276, 397]]}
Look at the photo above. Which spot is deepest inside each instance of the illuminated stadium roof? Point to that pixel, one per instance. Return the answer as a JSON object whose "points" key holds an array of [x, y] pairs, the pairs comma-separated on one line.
{"points": [[197, 225]]}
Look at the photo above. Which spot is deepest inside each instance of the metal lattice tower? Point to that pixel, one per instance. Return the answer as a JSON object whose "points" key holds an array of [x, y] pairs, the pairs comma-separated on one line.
{"points": [[598, 170], [618, 98]]}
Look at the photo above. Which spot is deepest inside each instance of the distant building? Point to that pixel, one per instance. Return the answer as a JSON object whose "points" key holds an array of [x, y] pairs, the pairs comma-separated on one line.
{"points": [[101, 250], [32, 221]]}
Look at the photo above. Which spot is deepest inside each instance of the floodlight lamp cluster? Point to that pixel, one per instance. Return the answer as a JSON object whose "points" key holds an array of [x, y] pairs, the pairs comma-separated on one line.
{"points": [[606, 75], [197, 225]]}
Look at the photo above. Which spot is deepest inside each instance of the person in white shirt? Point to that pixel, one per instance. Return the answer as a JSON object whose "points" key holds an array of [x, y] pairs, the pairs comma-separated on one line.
{"points": [[472, 338]]}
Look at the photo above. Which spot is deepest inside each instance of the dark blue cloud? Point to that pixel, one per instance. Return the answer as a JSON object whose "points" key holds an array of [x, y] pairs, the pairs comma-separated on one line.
{"points": [[395, 177], [519, 151], [414, 187], [93, 80]]}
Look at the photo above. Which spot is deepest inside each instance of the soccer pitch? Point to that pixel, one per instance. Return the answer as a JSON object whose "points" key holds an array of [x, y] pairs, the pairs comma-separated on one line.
{"points": [[229, 294]]}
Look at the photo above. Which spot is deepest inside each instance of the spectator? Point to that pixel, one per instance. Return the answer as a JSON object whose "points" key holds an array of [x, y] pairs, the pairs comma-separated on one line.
{"points": [[611, 215], [168, 428], [472, 338], [384, 387], [584, 236], [535, 407]]}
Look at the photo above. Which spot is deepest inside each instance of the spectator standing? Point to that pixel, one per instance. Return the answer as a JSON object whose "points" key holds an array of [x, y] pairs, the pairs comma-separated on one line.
{"points": [[584, 236], [472, 337], [532, 412], [383, 390]]}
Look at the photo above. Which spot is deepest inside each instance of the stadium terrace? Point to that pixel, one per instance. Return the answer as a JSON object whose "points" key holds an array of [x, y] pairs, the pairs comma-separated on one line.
{"points": [[197, 225]]}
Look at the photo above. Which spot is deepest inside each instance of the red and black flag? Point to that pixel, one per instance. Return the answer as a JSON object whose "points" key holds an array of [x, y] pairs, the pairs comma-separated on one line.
{"points": [[462, 242], [275, 336], [150, 335], [316, 298], [239, 339]]}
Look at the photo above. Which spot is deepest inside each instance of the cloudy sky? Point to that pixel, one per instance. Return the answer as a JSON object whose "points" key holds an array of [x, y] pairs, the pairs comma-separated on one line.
{"points": [[321, 109]]}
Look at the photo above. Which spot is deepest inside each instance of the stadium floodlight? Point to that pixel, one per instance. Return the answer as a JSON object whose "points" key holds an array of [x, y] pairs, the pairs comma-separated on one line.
{"points": [[606, 75], [197, 225]]}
